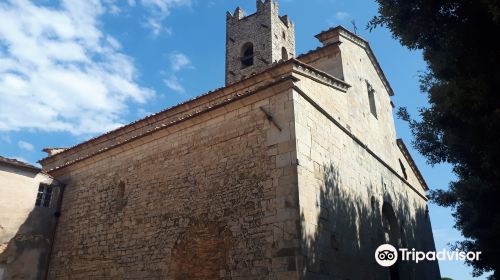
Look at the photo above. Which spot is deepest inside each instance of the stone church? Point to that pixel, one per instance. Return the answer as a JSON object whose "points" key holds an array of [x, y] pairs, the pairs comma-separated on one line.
{"points": [[291, 171]]}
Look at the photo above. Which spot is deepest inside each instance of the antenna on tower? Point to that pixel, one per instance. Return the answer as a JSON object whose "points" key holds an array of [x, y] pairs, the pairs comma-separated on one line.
{"points": [[354, 26]]}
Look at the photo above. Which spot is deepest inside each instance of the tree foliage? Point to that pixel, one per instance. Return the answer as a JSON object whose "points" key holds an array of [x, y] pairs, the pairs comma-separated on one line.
{"points": [[461, 125]]}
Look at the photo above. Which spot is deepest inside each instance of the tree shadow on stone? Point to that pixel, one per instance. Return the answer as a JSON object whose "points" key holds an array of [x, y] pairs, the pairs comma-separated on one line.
{"points": [[351, 224]]}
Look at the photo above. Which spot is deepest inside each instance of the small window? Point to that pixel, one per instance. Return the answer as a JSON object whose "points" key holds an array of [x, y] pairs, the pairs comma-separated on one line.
{"points": [[371, 99], [284, 54], [373, 203], [44, 196], [247, 55], [283, 35], [403, 169]]}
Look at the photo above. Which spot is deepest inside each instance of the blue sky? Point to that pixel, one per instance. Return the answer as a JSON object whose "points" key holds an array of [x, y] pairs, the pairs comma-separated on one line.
{"points": [[70, 70]]}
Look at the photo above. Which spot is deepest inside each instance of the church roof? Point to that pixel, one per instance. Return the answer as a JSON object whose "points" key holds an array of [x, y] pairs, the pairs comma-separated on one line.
{"points": [[277, 75], [237, 90], [18, 163], [412, 163]]}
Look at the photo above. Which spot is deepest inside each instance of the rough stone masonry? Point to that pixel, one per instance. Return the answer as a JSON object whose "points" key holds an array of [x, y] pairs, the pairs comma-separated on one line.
{"points": [[291, 171]]}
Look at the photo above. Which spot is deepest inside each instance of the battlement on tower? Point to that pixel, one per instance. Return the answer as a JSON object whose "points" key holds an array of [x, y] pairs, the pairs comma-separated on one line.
{"points": [[255, 42], [268, 6]]}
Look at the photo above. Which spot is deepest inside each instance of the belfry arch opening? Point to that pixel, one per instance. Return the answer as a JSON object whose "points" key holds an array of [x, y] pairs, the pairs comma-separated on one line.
{"points": [[247, 55]]}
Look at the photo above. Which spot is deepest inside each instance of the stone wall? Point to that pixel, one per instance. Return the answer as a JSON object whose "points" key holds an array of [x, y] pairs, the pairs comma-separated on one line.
{"points": [[348, 172], [342, 189], [268, 33], [212, 197], [285, 175]]}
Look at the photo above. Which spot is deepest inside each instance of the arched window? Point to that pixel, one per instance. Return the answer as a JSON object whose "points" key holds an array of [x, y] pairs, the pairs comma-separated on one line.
{"points": [[284, 54], [247, 55]]}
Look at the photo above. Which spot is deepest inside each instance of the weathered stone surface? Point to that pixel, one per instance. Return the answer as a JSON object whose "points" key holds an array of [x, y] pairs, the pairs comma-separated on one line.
{"points": [[197, 204], [269, 34], [25, 230], [349, 173], [283, 175]]}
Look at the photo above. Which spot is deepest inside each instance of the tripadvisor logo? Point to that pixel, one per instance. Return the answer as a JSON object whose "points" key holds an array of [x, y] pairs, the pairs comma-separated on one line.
{"points": [[386, 255]]}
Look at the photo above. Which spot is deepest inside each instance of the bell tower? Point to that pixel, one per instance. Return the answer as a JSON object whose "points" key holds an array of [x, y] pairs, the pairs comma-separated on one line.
{"points": [[257, 41]]}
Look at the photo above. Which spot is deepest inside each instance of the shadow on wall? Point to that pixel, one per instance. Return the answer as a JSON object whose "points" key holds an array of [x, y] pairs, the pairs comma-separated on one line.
{"points": [[25, 255], [349, 228]]}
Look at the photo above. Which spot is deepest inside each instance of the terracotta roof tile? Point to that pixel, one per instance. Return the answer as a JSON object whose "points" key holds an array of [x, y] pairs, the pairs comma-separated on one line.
{"points": [[15, 162]]}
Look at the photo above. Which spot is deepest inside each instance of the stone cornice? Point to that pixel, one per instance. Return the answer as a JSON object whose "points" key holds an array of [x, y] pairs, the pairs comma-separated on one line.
{"points": [[320, 76], [413, 165], [181, 118], [358, 141], [173, 114], [319, 52], [173, 111]]}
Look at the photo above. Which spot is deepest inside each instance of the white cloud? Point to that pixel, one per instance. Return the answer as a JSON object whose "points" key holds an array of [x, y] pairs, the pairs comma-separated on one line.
{"points": [[338, 18], [6, 139], [158, 11], [60, 72], [179, 61], [141, 113], [164, 6], [342, 15], [156, 26], [173, 83], [26, 146], [113, 42]]}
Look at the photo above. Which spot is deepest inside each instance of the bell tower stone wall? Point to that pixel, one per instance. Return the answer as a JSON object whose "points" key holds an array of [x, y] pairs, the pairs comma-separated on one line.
{"points": [[257, 41]]}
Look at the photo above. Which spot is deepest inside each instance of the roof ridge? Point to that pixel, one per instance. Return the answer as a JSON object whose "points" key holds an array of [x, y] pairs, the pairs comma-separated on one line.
{"points": [[234, 85]]}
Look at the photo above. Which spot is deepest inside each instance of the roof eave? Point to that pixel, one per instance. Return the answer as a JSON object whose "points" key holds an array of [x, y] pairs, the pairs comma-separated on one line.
{"points": [[413, 165]]}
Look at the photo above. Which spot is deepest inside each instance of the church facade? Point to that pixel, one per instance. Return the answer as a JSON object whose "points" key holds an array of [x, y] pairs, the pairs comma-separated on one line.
{"points": [[291, 171]]}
